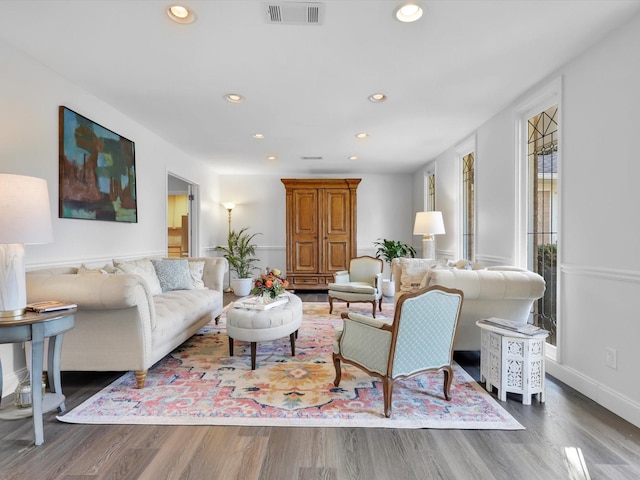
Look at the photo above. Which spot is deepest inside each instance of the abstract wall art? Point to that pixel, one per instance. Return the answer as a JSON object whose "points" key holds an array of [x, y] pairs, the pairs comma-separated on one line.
{"points": [[97, 171]]}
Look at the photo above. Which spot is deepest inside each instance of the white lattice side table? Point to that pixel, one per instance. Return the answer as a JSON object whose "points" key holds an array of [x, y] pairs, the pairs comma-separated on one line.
{"points": [[512, 362]]}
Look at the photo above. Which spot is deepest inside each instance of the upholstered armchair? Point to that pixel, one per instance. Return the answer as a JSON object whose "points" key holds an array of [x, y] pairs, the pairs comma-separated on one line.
{"points": [[361, 283], [418, 340]]}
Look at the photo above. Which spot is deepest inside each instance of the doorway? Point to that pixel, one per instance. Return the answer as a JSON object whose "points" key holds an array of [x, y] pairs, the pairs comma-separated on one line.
{"points": [[181, 217]]}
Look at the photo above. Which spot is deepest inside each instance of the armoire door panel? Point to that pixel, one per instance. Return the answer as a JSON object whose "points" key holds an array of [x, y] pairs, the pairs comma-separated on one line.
{"points": [[337, 212], [306, 257], [337, 256], [305, 212]]}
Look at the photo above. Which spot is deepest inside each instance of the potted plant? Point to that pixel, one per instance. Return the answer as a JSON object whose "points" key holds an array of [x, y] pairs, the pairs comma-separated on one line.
{"points": [[388, 250], [240, 252]]}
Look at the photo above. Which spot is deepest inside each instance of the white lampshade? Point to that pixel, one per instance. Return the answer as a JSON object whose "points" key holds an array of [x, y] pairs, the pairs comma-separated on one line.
{"points": [[25, 214], [428, 223], [228, 205], [25, 217]]}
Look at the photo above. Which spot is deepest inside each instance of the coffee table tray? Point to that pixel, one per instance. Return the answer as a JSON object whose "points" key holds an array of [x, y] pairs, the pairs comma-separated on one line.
{"points": [[256, 303]]}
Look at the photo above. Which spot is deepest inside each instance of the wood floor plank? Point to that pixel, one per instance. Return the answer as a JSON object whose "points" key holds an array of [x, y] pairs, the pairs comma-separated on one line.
{"points": [[175, 453], [317, 473]]}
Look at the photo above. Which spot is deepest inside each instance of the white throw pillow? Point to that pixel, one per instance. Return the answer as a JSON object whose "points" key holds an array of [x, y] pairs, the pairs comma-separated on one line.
{"points": [[145, 269], [196, 269], [413, 272], [84, 270]]}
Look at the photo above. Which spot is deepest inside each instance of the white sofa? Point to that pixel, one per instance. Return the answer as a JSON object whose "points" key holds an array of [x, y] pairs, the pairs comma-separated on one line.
{"points": [[501, 291], [131, 315]]}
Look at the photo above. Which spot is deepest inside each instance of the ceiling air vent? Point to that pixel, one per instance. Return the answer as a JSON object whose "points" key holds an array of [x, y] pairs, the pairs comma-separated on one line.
{"points": [[310, 158], [294, 13]]}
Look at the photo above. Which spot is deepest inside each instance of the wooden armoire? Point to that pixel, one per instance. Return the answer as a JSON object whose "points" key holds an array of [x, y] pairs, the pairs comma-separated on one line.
{"points": [[321, 229]]}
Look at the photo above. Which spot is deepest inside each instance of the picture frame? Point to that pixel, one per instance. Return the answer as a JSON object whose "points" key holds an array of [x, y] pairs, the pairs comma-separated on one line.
{"points": [[97, 171]]}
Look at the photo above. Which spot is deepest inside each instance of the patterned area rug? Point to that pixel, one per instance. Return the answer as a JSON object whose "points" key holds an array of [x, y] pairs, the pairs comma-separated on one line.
{"points": [[199, 384]]}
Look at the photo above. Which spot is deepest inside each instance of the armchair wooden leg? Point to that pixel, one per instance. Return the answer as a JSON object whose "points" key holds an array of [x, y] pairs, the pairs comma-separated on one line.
{"points": [[448, 379], [330, 305], [380, 304], [141, 376], [387, 390], [374, 309], [336, 364]]}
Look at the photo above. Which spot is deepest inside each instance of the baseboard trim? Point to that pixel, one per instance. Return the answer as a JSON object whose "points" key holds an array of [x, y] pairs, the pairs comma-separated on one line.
{"points": [[610, 399]]}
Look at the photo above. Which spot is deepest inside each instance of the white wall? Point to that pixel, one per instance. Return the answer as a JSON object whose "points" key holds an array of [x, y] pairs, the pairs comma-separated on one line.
{"points": [[29, 98], [599, 276], [384, 211]]}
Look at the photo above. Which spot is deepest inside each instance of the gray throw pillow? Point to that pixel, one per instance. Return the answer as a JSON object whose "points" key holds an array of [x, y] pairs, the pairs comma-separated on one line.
{"points": [[173, 274]]}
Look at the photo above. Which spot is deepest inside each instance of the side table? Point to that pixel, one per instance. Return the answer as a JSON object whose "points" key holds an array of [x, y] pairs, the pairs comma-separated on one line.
{"points": [[512, 362], [35, 327]]}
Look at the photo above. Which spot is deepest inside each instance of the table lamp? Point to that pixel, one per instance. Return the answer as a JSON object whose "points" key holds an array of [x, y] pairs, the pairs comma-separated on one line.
{"points": [[428, 224], [25, 217]]}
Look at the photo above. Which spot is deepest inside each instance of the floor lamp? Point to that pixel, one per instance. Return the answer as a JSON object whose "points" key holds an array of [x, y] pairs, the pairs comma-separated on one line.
{"points": [[229, 206], [428, 224], [25, 217]]}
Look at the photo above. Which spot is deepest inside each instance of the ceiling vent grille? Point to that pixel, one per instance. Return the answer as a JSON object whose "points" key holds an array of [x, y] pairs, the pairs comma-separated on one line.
{"points": [[294, 13], [311, 158]]}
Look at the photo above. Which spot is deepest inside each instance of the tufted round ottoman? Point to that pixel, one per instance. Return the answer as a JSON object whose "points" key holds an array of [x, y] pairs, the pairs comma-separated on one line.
{"points": [[251, 325]]}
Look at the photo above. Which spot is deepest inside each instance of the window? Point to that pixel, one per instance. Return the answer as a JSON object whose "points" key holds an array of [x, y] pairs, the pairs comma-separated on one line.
{"points": [[542, 231], [431, 192], [468, 207]]}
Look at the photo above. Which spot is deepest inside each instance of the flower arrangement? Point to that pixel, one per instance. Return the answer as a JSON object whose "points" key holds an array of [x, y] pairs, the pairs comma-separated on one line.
{"points": [[270, 284]]}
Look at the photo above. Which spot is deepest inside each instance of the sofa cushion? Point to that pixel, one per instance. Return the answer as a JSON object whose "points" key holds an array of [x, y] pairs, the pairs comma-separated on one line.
{"points": [[196, 269], [177, 310], [353, 287], [173, 274], [145, 269]]}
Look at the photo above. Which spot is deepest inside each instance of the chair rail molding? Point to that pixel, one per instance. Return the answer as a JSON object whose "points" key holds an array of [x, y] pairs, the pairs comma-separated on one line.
{"points": [[615, 274], [493, 260]]}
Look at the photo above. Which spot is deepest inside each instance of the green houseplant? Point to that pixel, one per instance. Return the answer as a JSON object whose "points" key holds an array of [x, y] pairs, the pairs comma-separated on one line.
{"points": [[388, 250], [240, 253]]}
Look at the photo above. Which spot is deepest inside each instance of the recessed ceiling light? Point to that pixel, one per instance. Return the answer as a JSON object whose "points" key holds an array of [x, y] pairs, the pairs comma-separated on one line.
{"points": [[362, 135], [259, 136], [377, 97], [408, 12], [272, 157], [180, 14], [353, 157], [234, 98]]}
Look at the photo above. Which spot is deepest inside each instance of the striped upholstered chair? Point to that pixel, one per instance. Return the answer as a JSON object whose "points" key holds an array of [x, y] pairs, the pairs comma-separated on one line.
{"points": [[418, 340]]}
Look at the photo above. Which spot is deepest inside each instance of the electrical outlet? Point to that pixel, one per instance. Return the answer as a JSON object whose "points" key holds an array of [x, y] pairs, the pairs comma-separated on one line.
{"points": [[612, 358]]}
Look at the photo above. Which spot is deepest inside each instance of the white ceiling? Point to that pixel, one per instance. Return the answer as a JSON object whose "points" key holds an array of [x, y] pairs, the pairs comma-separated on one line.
{"points": [[306, 86]]}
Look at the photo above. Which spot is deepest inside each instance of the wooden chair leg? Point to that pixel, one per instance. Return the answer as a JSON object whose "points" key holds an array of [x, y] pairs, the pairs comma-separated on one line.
{"points": [[374, 309], [380, 304], [330, 305], [292, 339], [336, 364], [387, 390], [448, 379], [230, 347]]}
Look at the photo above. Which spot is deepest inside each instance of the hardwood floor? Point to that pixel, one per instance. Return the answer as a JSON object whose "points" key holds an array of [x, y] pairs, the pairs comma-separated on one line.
{"points": [[567, 437]]}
